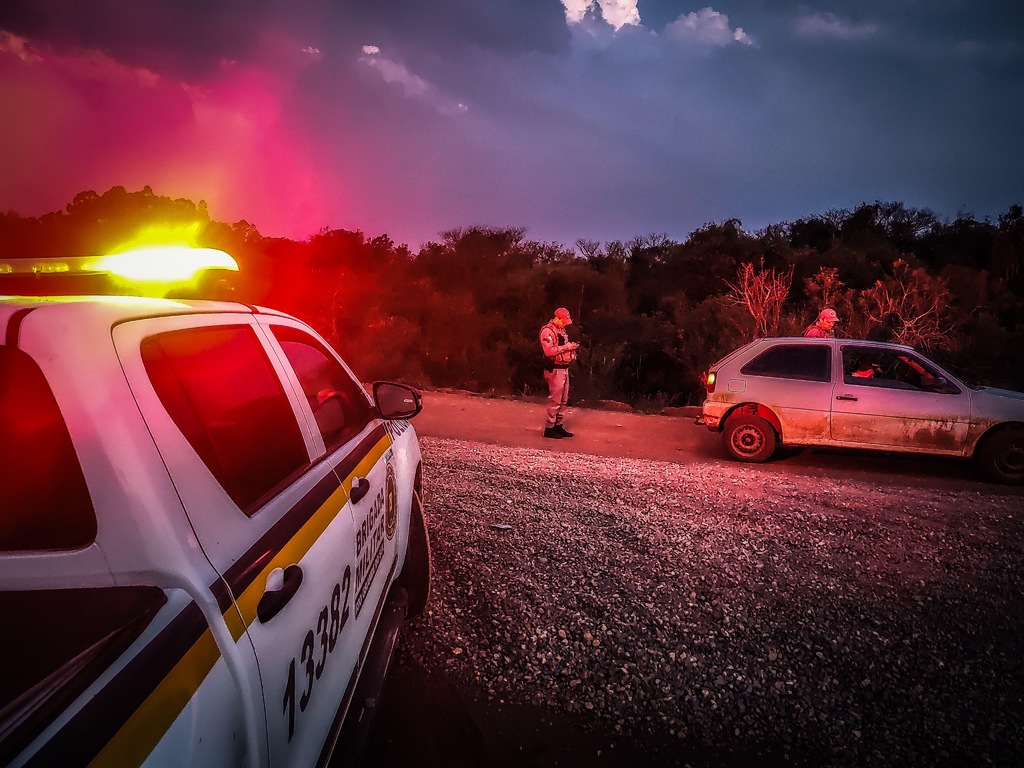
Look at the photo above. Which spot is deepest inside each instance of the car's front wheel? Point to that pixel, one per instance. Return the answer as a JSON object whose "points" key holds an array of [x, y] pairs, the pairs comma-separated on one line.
{"points": [[749, 438], [416, 573], [1001, 456]]}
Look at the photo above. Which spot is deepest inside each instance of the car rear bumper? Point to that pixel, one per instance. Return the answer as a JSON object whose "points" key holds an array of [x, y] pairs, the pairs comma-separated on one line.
{"points": [[712, 414]]}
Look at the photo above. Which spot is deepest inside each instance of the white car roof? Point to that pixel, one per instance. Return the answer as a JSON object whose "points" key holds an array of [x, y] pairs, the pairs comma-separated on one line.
{"points": [[111, 310]]}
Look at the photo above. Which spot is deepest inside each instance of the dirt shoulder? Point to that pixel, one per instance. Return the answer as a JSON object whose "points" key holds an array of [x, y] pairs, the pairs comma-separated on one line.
{"points": [[598, 431]]}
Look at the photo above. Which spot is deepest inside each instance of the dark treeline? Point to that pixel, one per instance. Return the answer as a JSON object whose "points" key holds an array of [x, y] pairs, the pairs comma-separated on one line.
{"points": [[652, 313]]}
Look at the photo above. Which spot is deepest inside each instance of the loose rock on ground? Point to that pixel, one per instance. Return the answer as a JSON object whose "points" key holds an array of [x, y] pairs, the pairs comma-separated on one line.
{"points": [[729, 608]]}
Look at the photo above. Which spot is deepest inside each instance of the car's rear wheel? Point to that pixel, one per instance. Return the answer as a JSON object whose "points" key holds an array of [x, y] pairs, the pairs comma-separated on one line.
{"points": [[749, 438], [1001, 457]]}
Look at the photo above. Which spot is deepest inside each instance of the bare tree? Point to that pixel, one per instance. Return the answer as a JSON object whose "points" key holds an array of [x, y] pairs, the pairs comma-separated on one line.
{"points": [[763, 292], [914, 307], [658, 240], [836, 217], [589, 248]]}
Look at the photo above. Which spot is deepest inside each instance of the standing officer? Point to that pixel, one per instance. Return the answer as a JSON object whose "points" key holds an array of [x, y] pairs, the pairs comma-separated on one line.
{"points": [[824, 326], [559, 353]]}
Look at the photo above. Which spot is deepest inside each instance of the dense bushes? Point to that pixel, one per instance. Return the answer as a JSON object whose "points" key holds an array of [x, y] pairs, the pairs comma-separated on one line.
{"points": [[651, 313]]}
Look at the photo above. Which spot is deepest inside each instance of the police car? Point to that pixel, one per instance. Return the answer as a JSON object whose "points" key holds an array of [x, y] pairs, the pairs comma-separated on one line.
{"points": [[210, 533]]}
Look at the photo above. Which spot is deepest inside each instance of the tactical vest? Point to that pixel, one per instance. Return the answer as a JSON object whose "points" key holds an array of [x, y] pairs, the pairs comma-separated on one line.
{"points": [[562, 359]]}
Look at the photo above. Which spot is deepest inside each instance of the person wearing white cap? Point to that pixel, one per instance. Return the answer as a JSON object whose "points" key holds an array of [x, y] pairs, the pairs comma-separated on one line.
{"points": [[824, 326], [559, 353]]}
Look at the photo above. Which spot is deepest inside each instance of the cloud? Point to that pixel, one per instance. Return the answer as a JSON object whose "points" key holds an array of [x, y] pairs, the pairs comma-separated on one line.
{"points": [[16, 46], [707, 27], [393, 72], [830, 26], [617, 13], [412, 85], [569, 100]]}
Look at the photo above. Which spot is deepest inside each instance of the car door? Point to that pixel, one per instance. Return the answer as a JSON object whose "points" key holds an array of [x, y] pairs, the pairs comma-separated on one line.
{"points": [[268, 511], [901, 401], [359, 448]]}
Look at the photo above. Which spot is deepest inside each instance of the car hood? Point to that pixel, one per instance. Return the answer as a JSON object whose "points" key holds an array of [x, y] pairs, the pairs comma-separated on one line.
{"points": [[998, 403]]}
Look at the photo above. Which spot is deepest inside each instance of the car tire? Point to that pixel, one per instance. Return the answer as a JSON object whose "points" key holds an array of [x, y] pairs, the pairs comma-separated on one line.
{"points": [[416, 573], [749, 438], [1001, 457]]}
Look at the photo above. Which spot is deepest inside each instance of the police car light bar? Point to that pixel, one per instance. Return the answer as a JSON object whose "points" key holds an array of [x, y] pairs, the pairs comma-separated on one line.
{"points": [[170, 271], [162, 264], [44, 266], [158, 264]]}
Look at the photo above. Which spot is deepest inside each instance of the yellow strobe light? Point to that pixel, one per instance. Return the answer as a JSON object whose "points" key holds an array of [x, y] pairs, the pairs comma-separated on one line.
{"points": [[163, 264]]}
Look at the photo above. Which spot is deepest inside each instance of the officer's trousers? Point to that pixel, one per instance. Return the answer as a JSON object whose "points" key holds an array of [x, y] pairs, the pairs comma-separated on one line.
{"points": [[558, 394]]}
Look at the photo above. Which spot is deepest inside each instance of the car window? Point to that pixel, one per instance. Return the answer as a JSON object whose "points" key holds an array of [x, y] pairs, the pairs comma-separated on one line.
{"points": [[45, 501], [892, 369], [220, 389], [808, 362], [337, 401]]}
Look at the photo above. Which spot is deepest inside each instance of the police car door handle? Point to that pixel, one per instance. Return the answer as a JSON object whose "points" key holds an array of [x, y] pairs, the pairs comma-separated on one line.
{"points": [[273, 600], [360, 487], [846, 397]]}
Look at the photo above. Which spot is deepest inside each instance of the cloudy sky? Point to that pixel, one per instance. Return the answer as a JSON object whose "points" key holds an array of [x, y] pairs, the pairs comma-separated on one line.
{"points": [[596, 119]]}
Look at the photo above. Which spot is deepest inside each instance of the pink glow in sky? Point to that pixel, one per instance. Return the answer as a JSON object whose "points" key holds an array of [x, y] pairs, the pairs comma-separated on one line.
{"points": [[85, 121]]}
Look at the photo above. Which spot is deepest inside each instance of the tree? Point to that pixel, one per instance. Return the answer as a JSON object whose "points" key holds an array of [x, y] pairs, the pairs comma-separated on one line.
{"points": [[1008, 247], [914, 307], [589, 248], [815, 232], [651, 314], [763, 292], [824, 288]]}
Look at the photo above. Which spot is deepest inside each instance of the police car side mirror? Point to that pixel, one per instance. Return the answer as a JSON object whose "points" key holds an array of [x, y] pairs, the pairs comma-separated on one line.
{"points": [[396, 401]]}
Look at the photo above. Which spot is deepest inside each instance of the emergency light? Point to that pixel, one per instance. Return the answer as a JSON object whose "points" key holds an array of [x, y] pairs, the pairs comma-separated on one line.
{"points": [[163, 264], [150, 270]]}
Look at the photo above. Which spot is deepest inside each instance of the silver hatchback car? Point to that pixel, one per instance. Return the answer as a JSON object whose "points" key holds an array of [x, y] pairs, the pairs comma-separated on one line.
{"points": [[859, 394]]}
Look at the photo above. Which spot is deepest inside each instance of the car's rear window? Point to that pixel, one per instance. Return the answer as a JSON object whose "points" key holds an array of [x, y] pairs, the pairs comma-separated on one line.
{"points": [[219, 387], [807, 362], [44, 500]]}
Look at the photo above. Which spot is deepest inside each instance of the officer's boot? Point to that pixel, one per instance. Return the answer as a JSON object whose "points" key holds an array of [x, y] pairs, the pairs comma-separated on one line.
{"points": [[562, 431], [553, 432]]}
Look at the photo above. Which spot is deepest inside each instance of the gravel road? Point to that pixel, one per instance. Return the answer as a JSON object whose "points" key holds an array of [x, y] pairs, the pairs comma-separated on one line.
{"points": [[724, 614]]}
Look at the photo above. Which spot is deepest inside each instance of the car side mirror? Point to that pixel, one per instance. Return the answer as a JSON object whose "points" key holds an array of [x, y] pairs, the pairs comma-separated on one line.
{"points": [[396, 401], [945, 387]]}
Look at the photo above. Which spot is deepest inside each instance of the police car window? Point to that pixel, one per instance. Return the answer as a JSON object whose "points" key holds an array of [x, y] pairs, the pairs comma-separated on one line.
{"points": [[223, 394], [339, 406], [45, 500], [807, 362]]}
